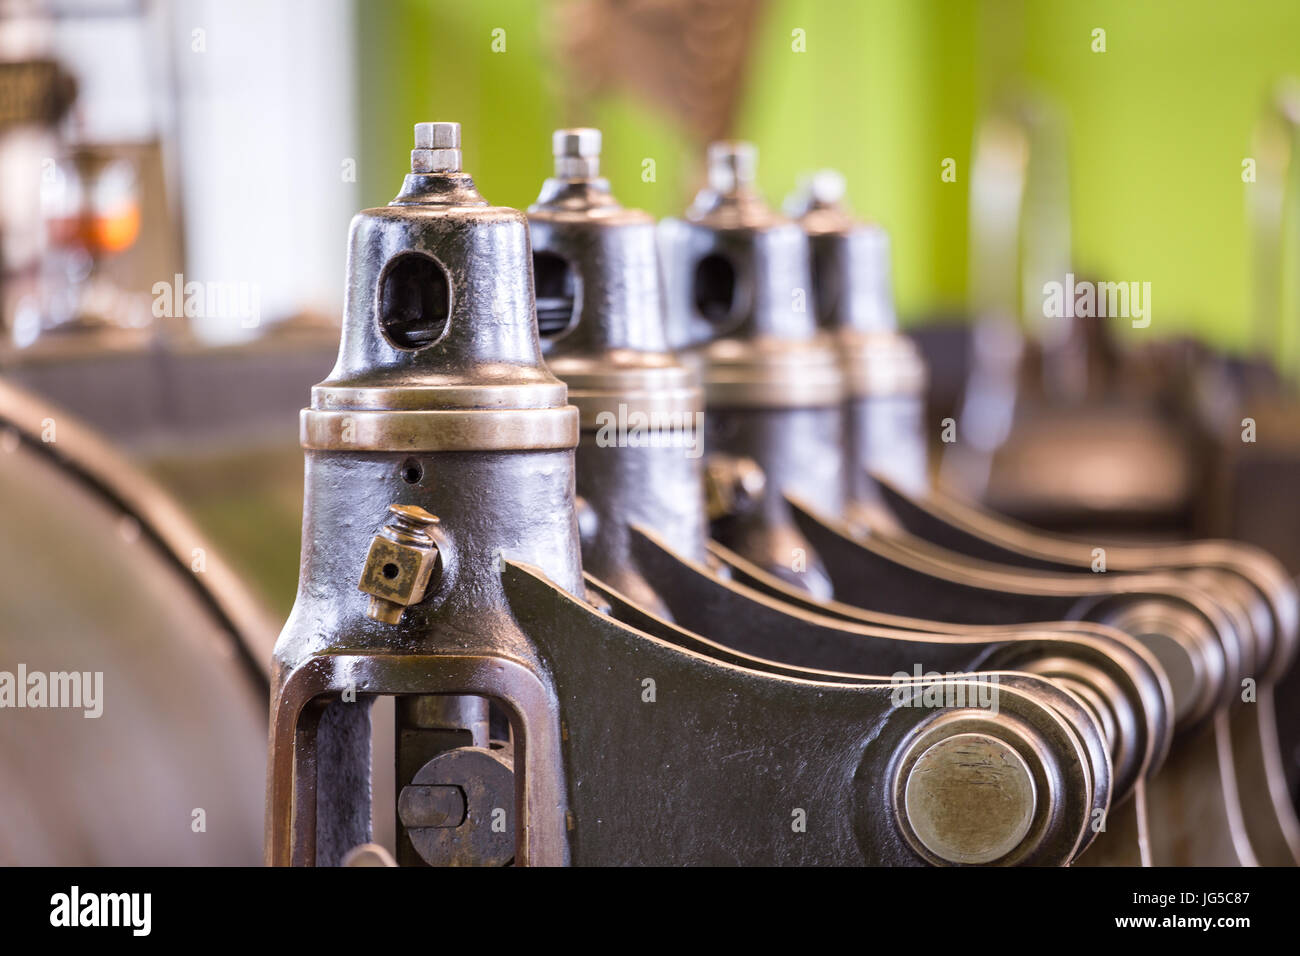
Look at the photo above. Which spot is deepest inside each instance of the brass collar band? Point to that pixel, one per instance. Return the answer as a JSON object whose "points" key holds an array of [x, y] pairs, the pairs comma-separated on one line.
{"points": [[666, 393], [878, 364], [796, 375], [409, 397], [772, 393], [513, 429], [673, 409]]}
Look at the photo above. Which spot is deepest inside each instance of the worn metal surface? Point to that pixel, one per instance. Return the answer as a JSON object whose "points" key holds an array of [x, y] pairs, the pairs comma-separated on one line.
{"points": [[513, 496], [1178, 622], [739, 290], [600, 358], [718, 760], [775, 631], [457, 809], [1245, 578], [830, 769], [641, 453], [885, 378], [997, 797]]}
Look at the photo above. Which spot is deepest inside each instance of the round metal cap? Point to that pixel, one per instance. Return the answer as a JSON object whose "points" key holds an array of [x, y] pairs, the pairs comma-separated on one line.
{"points": [[970, 798]]}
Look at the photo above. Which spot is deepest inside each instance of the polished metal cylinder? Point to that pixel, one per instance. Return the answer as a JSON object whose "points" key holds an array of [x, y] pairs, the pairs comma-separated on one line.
{"points": [[739, 292], [439, 401], [641, 411], [884, 373]]}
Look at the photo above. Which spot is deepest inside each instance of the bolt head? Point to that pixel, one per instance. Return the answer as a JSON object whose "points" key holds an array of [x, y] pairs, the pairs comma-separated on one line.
{"points": [[437, 136], [580, 142], [732, 165], [577, 153], [437, 148], [827, 187], [398, 573]]}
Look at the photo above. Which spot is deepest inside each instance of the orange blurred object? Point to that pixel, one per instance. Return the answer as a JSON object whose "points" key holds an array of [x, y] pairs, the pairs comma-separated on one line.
{"points": [[98, 233]]}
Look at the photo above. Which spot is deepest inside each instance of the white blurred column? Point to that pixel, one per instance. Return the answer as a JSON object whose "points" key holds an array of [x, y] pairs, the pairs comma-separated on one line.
{"points": [[265, 124]]}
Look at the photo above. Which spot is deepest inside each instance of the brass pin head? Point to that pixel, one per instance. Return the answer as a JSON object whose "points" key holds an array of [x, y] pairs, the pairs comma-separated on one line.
{"points": [[970, 798]]}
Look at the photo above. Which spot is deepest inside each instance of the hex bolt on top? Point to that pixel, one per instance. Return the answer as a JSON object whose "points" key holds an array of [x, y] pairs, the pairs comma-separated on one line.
{"points": [[577, 153], [741, 306], [732, 165], [437, 148]]}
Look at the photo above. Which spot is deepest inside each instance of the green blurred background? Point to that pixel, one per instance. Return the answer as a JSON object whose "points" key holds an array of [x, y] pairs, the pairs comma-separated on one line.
{"points": [[1158, 124]]}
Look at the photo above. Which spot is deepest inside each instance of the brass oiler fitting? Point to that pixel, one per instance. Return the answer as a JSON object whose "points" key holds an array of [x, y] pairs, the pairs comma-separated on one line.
{"points": [[402, 559], [733, 484]]}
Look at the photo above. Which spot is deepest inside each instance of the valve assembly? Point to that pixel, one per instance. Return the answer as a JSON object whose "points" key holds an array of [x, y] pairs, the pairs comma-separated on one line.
{"points": [[633, 521]]}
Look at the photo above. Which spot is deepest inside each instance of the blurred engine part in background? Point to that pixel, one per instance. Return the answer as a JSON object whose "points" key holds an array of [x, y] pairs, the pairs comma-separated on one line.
{"points": [[688, 57], [1059, 426], [145, 289], [158, 303], [146, 749]]}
